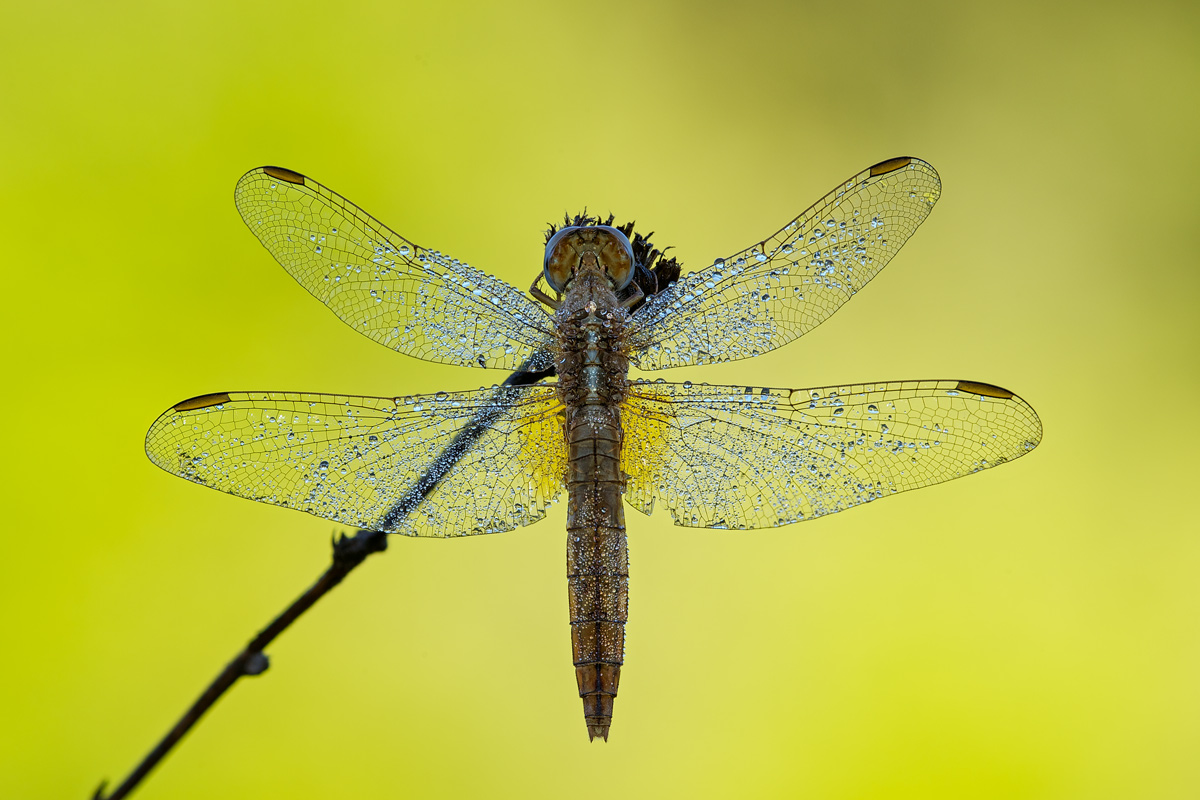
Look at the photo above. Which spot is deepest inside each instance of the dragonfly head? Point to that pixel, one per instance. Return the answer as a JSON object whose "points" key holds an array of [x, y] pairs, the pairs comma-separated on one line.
{"points": [[576, 247]]}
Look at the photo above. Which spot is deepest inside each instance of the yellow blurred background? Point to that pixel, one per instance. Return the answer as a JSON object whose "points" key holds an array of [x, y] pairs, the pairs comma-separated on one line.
{"points": [[1030, 632]]}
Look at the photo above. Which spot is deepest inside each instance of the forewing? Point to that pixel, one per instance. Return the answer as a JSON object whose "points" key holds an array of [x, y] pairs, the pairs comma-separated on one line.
{"points": [[781, 288], [450, 464], [418, 302], [732, 457]]}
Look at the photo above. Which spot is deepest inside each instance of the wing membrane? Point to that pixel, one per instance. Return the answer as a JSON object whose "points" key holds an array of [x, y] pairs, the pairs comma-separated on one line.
{"points": [[418, 302], [449, 464], [733, 457], [781, 288]]}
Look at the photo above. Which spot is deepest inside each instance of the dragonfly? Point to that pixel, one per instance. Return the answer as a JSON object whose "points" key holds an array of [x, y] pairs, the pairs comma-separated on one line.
{"points": [[570, 418]]}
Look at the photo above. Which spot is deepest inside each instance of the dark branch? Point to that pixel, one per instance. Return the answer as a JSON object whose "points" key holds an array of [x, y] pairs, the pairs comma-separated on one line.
{"points": [[348, 553]]}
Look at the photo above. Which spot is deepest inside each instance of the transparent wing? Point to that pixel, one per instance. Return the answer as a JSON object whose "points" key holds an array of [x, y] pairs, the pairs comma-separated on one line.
{"points": [[418, 302], [731, 457], [450, 464], [781, 288]]}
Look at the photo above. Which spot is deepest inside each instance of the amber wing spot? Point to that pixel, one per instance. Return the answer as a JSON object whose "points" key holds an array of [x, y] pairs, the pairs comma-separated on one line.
{"points": [[203, 401], [891, 165], [284, 174], [985, 389]]}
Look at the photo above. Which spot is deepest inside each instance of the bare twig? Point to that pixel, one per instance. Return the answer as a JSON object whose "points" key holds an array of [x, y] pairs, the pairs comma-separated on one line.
{"points": [[348, 553]]}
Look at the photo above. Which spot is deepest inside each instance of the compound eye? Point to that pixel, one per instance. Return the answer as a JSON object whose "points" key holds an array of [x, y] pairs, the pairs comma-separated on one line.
{"points": [[560, 259], [616, 254]]}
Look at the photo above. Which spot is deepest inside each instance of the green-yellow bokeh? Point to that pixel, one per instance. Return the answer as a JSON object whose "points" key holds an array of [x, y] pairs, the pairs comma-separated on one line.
{"points": [[1026, 633]]}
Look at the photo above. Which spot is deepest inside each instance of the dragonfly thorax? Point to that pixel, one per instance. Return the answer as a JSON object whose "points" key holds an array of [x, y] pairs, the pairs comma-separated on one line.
{"points": [[591, 246]]}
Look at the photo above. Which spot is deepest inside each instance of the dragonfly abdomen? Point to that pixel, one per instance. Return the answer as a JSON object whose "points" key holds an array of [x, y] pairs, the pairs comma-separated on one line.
{"points": [[597, 570], [592, 380]]}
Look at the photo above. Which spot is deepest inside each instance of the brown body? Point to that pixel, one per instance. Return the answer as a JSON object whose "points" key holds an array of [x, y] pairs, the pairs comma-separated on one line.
{"points": [[592, 372]]}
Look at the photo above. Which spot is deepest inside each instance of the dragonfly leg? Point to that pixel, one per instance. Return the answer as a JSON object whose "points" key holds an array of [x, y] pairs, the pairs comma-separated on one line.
{"points": [[635, 298], [538, 294]]}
